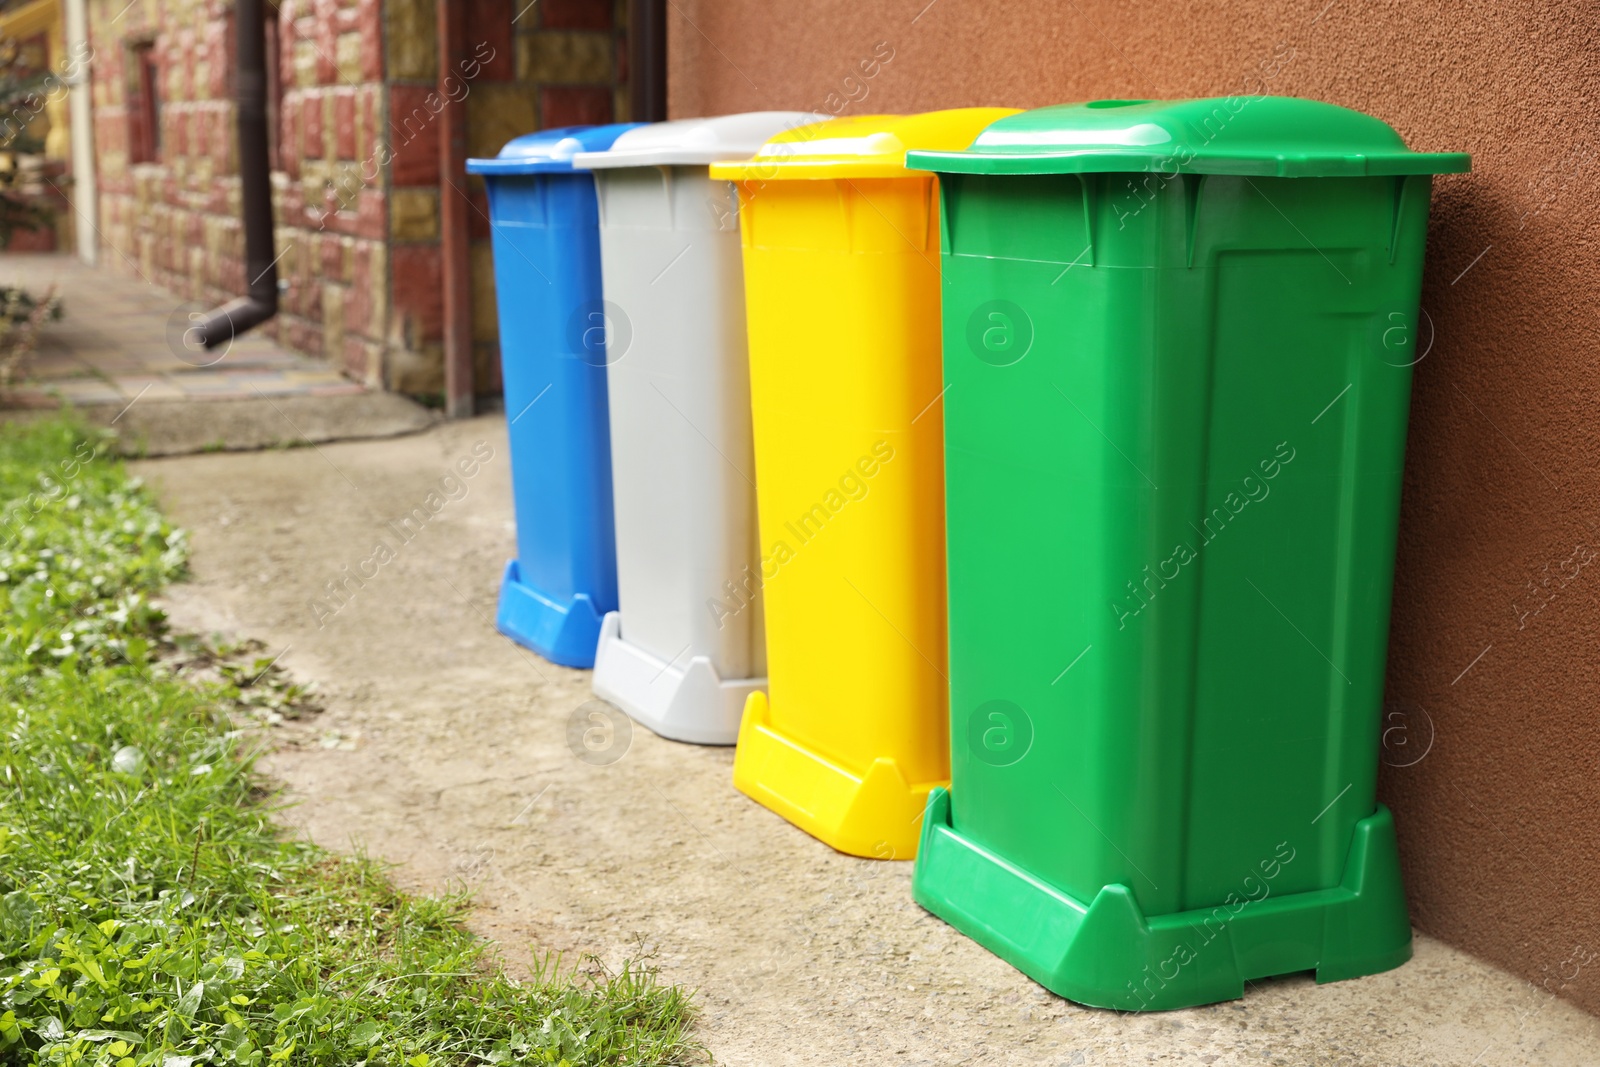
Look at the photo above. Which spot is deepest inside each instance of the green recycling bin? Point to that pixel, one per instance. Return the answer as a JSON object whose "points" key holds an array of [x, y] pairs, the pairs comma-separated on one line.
{"points": [[1178, 340]]}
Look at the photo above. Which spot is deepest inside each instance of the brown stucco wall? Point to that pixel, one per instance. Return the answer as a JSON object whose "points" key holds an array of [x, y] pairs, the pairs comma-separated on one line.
{"points": [[1494, 773]]}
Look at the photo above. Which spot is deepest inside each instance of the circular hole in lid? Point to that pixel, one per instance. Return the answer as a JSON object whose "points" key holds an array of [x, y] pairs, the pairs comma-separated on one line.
{"points": [[1114, 103]]}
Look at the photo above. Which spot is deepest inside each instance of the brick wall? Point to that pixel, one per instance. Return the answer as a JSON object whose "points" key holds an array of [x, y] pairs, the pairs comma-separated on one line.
{"points": [[176, 222], [357, 186], [559, 63], [329, 196], [175, 219]]}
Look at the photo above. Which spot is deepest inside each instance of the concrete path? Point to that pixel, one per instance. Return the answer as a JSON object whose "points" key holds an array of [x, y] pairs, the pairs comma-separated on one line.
{"points": [[123, 355], [451, 752]]}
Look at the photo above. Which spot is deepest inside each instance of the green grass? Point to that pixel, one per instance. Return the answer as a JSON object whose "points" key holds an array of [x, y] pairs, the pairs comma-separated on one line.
{"points": [[151, 913]]}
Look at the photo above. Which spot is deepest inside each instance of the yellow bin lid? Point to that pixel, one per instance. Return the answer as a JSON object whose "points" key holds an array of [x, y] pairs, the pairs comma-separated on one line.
{"points": [[860, 146]]}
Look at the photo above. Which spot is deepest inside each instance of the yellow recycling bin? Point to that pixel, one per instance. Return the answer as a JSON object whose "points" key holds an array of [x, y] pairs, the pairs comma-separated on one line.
{"points": [[841, 265]]}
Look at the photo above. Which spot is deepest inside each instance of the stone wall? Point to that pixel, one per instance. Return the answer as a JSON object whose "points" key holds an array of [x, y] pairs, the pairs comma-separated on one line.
{"points": [[559, 63], [357, 186], [331, 203], [174, 223]]}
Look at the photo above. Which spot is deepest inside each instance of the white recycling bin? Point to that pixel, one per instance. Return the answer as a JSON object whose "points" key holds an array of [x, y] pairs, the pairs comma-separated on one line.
{"points": [[687, 645]]}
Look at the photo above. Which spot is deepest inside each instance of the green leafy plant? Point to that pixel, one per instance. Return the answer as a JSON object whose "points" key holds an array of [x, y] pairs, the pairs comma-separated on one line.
{"points": [[252, 682], [152, 914], [22, 316], [22, 94]]}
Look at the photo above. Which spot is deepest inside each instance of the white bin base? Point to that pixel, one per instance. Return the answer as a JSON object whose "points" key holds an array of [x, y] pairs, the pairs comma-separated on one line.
{"points": [[683, 702]]}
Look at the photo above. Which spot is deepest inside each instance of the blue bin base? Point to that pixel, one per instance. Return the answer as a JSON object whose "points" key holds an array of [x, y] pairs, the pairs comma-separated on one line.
{"points": [[562, 633]]}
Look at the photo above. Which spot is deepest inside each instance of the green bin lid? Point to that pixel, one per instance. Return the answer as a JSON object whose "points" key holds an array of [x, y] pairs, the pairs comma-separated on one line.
{"points": [[1266, 136]]}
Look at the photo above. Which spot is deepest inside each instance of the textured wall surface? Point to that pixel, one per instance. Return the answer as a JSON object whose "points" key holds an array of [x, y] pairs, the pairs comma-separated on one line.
{"points": [[357, 188], [564, 64], [174, 220], [1492, 739]]}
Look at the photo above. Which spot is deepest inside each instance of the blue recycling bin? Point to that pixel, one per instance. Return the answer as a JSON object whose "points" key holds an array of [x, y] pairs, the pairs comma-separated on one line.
{"points": [[553, 331]]}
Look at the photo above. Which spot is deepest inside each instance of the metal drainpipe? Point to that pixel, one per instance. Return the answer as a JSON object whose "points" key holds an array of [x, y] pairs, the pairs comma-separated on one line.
{"points": [[647, 60], [255, 186]]}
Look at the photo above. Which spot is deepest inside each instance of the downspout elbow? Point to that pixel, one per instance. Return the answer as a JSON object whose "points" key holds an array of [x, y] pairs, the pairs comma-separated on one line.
{"points": [[223, 324]]}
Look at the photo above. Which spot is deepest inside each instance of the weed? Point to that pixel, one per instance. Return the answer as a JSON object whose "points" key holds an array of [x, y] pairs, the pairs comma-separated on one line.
{"points": [[240, 675], [22, 316]]}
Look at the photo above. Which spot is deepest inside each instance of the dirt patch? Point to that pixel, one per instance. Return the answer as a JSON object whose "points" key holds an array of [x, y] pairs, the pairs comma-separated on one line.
{"points": [[445, 749]]}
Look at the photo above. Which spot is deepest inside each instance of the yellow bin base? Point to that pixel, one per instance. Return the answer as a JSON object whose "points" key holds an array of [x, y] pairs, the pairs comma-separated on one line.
{"points": [[878, 815]]}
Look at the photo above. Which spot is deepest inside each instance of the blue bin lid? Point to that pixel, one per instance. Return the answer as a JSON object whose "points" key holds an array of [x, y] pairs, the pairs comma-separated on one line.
{"points": [[549, 151]]}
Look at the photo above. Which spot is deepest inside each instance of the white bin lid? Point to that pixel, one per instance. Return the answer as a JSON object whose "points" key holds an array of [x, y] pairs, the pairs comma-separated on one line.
{"points": [[692, 141]]}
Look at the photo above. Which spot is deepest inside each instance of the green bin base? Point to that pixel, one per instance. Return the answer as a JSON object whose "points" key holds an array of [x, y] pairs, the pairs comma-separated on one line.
{"points": [[1108, 954]]}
